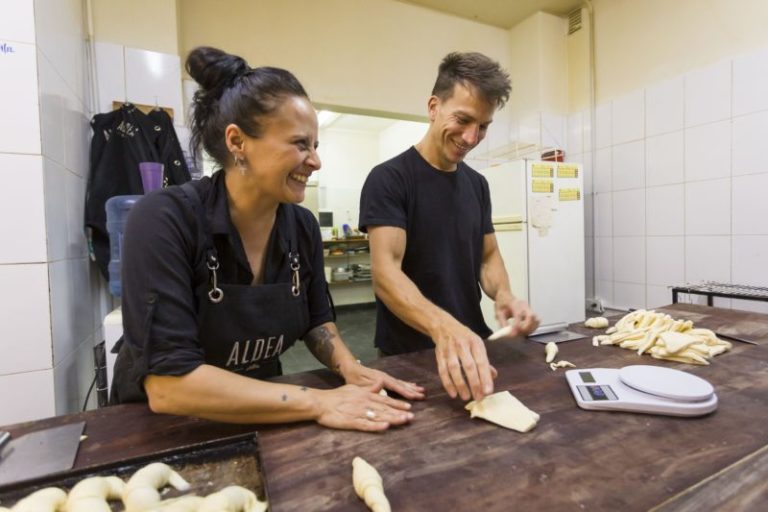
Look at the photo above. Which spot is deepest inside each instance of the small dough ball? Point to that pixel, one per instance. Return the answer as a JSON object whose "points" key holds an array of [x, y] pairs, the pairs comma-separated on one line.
{"points": [[597, 322]]}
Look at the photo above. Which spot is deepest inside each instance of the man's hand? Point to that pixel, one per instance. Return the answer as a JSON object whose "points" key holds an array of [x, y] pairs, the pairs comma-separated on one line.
{"points": [[360, 375], [524, 319], [462, 362]]}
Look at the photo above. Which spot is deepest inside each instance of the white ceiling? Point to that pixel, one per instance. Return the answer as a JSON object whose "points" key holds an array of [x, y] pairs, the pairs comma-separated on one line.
{"points": [[499, 13], [360, 123]]}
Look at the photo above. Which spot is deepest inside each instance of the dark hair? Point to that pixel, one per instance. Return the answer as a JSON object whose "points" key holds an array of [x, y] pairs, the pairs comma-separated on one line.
{"points": [[475, 69], [232, 92]]}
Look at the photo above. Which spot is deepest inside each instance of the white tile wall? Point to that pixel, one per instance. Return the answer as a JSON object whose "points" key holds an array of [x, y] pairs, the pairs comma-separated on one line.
{"points": [[665, 210], [586, 161], [708, 94], [708, 207], [750, 83], [628, 120], [17, 24], [25, 325], [749, 137], [60, 36], [604, 258], [707, 258], [629, 259], [603, 204], [628, 295], [629, 213], [602, 169], [110, 66], [604, 291], [20, 119], [657, 296], [664, 159], [26, 396], [589, 215], [665, 260], [750, 207], [708, 151], [553, 128], [154, 78], [603, 126], [750, 254], [74, 374], [664, 107], [628, 164], [575, 135], [71, 306], [22, 217], [702, 175]]}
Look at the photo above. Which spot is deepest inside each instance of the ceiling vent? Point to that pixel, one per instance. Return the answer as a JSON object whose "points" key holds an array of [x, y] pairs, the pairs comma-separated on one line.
{"points": [[574, 21]]}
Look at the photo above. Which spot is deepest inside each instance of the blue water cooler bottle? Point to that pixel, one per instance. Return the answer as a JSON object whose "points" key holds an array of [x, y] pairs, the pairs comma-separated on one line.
{"points": [[118, 208]]}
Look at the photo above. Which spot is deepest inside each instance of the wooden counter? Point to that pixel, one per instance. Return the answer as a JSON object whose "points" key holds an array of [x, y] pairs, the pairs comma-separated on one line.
{"points": [[573, 460]]}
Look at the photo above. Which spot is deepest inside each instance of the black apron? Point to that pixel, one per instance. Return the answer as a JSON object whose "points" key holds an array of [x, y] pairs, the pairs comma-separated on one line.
{"points": [[245, 328], [241, 328]]}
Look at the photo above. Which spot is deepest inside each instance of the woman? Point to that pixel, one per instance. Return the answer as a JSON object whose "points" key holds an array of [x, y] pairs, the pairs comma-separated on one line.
{"points": [[222, 275]]}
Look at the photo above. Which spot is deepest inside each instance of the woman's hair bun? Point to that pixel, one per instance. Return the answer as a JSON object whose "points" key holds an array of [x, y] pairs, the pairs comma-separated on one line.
{"points": [[212, 68]]}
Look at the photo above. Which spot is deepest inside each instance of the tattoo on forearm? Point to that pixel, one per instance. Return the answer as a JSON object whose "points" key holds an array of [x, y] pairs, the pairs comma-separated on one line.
{"points": [[303, 388], [285, 398], [320, 342]]}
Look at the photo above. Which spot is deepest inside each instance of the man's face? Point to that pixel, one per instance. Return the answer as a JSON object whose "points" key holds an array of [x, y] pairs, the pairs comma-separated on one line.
{"points": [[458, 124]]}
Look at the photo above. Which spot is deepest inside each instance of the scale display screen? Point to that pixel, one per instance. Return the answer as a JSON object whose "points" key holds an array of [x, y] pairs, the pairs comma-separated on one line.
{"points": [[587, 377], [596, 393]]}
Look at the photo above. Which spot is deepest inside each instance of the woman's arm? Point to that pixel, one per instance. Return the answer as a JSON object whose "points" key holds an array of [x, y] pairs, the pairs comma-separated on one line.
{"points": [[220, 395], [325, 343]]}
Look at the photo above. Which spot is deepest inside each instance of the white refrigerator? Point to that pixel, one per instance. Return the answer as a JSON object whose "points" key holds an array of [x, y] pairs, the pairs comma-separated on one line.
{"points": [[538, 215]]}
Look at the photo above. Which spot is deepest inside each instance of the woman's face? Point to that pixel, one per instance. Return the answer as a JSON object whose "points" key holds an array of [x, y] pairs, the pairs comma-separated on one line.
{"points": [[283, 158]]}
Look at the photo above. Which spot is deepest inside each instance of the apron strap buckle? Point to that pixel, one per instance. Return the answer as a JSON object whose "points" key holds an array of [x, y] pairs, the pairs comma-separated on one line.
{"points": [[293, 258]]}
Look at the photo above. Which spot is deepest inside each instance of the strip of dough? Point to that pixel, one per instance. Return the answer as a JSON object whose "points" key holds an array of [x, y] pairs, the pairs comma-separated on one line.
{"points": [[505, 410], [550, 349]]}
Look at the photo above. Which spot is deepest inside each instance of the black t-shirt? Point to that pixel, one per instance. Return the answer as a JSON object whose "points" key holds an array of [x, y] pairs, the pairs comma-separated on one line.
{"points": [[445, 216], [163, 264]]}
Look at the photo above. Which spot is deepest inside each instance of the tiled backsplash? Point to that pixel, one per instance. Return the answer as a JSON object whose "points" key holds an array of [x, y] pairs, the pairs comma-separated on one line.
{"points": [[679, 179]]}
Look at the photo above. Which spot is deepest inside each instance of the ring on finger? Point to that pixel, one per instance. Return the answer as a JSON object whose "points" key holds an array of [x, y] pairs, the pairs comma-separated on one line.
{"points": [[370, 414]]}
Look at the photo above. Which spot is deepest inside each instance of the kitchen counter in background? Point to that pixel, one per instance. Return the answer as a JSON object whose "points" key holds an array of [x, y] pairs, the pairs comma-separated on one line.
{"points": [[573, 459]]}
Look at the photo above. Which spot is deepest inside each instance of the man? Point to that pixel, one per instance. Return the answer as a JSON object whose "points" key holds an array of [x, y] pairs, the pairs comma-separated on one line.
{"points": [[428, 216]]}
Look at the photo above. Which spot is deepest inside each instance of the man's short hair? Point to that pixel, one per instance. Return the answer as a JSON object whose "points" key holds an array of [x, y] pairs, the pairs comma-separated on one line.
{"points": [[474, 69]]}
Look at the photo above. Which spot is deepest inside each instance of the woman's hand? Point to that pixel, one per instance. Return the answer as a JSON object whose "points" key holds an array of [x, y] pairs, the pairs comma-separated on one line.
{"points": [[352, 407], [360, 375]]}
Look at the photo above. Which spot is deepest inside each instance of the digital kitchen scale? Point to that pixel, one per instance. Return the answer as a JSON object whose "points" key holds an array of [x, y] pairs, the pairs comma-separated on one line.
{"points": [[642, 388]]}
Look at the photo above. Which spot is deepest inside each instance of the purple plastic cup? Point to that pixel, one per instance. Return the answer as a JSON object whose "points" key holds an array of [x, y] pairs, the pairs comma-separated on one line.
{"points": [[151, 175]]}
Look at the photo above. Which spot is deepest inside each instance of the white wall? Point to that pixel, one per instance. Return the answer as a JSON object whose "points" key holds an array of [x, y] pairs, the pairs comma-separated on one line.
{"points": [[50, 321], [679, 179]]}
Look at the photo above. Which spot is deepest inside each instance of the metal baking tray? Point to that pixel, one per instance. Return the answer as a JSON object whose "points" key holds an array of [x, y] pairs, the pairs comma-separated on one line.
{"points": [[208, 467]]}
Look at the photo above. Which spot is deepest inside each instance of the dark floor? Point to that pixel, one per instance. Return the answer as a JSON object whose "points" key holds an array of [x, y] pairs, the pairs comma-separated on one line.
{"points": [[357, 325]]}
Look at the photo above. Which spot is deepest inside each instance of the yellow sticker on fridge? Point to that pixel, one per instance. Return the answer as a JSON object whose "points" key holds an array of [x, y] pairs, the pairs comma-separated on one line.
{"points": [[567, 171], [542, 186], [569, 194], [542, 171]]}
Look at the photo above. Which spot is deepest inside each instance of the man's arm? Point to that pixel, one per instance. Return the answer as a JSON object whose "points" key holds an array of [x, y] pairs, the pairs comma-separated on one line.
{"points": [[494, 281], [457, 347]]}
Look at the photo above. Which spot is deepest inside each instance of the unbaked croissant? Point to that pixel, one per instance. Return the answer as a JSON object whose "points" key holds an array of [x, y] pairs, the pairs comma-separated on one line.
{"points": [[369, 486], [141, 491]]}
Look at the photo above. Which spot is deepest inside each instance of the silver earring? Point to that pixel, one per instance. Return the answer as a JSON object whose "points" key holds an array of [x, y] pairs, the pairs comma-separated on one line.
{"points": [[240, 164]]}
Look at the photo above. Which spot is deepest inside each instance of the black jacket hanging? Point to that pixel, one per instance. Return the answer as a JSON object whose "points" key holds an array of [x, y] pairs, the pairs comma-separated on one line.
{"points": [[121, 139]]}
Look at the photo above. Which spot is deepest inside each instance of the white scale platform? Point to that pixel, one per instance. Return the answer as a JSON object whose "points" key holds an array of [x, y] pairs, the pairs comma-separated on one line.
{"points": [[642, 388]]}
